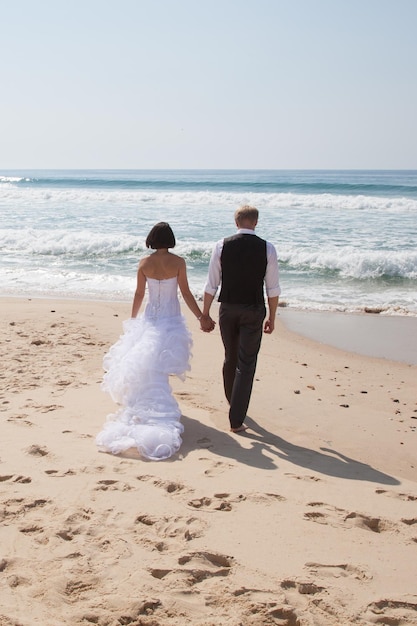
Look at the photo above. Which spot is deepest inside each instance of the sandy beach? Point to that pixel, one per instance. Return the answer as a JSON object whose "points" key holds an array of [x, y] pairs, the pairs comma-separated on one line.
{"points": [[307, 519]]}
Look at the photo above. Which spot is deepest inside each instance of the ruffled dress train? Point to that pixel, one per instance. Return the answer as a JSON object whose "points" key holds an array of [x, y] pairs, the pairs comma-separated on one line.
{"points": [[137, 367]]}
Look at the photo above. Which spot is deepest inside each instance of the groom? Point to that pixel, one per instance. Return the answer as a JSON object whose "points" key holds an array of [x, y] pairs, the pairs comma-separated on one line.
{"points": [[243, 264]]}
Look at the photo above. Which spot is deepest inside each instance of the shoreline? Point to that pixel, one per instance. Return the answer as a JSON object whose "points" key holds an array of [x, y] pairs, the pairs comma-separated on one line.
{"points": [[392, 337]]}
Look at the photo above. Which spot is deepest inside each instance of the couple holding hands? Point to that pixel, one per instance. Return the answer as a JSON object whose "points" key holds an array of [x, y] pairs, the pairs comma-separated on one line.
{"points": [[158, 344]]}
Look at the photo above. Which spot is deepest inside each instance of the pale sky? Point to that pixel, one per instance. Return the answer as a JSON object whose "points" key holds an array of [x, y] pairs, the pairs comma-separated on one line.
{"points": [[277, 84]]}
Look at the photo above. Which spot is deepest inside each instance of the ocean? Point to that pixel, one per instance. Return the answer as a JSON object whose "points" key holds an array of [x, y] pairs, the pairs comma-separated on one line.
{"points": [[346, 240]]}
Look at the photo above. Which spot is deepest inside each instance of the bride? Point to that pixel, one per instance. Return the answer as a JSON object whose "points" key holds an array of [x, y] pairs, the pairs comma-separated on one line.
{"points": [[153, 346]]}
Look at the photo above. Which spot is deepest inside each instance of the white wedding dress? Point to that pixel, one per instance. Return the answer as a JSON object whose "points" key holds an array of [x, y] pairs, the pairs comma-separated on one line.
{"points": [[153, 346]]}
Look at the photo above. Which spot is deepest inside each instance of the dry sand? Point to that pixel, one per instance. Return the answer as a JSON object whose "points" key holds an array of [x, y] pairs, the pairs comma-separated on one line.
{"points": [[309, 518]]}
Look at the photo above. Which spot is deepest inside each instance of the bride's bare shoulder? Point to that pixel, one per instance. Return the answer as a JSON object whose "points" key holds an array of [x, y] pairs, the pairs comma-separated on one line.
{"points": [[178, 260]]}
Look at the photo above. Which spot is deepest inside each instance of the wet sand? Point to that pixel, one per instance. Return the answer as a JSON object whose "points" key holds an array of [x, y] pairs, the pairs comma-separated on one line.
{"points": [[388, 337]]}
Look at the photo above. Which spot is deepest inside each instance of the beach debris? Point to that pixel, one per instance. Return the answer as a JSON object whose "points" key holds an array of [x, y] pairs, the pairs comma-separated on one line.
{"points": [[345, 406], [312, 387], [297, 391], [369, 309]]}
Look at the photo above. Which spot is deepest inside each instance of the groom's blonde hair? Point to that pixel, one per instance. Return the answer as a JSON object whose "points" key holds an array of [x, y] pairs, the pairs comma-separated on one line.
{"points": [[246, 213]]}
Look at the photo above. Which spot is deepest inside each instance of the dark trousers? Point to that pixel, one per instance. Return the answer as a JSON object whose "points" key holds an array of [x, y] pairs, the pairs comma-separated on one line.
{"points": [[241, 329]]}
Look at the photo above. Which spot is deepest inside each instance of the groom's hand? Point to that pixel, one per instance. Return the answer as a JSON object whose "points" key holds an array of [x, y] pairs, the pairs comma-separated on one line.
{"points": [[207, 324]]}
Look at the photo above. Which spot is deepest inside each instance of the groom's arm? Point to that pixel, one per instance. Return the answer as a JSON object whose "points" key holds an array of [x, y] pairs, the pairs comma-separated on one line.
{"points": [[206, 323], [270, 321], [212, 284]]}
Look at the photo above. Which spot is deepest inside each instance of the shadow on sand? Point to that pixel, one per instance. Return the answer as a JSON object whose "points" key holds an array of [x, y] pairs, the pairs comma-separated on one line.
{"points": [[325, 461]]}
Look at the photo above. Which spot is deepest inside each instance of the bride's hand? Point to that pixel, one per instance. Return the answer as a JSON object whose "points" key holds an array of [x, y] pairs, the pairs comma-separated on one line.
{"points": [[207, 324]]}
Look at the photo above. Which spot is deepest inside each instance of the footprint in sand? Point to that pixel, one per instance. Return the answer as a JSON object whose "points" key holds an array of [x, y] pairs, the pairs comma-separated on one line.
{"points": [[43, 408], [36, 450], [388, 611], [195, 568], [157, 530], [75, 524], [218, 468], [4, 564], [19, 507], [264, 607], [80, 515], [303, 587], [59, 474], [303, 477], [145, 609], [36, 532], [67, 534], [205, 443], [112, 485], [167, 485], [343, 570], [50, 407], [267, 498], [24, 480], [79, 588], [407, 497], [219, 502], [92, 469], [20, 418], [339, 517], [16, 479], [224, 501]]}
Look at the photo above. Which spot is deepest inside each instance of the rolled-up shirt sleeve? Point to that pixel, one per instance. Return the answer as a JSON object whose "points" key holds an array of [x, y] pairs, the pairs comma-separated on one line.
{"points": [[272, 286], [214, 271]]}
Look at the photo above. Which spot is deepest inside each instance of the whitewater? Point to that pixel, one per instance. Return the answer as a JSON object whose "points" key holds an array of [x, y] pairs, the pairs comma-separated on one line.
{"points": [[346, 240]]}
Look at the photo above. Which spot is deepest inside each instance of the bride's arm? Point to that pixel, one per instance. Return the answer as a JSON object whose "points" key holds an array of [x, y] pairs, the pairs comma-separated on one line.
{"points": [[140, 291], [189, 299], [207, 323]]}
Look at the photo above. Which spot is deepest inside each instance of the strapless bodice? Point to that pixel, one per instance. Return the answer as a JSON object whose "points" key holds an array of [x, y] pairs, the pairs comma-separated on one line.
{"points": [[162, 298]]}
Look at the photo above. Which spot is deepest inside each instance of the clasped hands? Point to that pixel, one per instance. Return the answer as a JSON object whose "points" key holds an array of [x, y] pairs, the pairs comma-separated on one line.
{"points": [[207, 324]]}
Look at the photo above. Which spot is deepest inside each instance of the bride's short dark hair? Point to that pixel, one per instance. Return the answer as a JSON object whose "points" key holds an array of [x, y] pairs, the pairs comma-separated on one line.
{"points": [[160, 236]]}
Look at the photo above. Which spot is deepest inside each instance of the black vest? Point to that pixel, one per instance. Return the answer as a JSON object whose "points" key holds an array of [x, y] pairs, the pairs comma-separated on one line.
{"points": [[243, 263]]}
